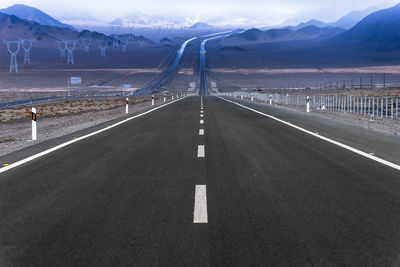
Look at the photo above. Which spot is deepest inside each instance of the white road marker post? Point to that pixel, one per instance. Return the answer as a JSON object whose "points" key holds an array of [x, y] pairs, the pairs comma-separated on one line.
{"points": [[241, 96], [270, 99], [172, 96], [165, 98], [252, 97], [308, 103], [152, 100], [126, 105], [34, 129]]}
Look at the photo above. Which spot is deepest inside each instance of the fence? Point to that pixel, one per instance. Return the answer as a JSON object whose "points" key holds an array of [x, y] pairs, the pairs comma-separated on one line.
{"points": [[377, 106]]}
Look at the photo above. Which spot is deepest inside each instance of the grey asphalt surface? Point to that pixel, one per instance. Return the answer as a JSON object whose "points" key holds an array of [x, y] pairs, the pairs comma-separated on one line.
{"points": [[276, 197], [386, 146]]}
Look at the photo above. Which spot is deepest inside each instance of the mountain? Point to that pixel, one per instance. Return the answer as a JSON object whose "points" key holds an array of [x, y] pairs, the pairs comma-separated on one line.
{"points": [[327, 14], [381, 28], [351, 19], [33, 14], [13, 28], [201, 26], [312, 22], [279, 35]]}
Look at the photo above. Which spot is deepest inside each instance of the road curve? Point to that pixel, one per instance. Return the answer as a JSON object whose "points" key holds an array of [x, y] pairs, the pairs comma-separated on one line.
{"points": [[166, 75], [203, 67]]}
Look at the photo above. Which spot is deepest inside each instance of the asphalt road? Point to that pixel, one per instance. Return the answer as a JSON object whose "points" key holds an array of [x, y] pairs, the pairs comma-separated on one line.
{"points": [[275, 197], [163, 77], [203, 87]]}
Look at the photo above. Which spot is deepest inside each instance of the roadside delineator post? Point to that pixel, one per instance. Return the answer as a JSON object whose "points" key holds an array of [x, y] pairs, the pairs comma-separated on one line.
{"points": [[126, 105], [308, 103], [172, 96], [34, 130], [252, 97], [270, 99], [241, 96], [152, 100], [165, 98]]}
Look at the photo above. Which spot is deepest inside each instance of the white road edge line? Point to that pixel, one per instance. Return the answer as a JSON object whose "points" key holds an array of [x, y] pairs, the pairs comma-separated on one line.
{"points": [[200, 205], [48, 151], [352, 149], [201, 132], [200, 151]]}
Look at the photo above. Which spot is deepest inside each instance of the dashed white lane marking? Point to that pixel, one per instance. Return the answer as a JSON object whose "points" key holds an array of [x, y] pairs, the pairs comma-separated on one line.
{"points": [[201, 112], [352, 149], [48, 151], [200, 205], [201, 121], [201, 115], [201, 132], [200, 151]]}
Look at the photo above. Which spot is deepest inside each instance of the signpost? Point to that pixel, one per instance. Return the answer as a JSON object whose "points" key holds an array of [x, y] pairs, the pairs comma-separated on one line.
{"points": [[73, 81]]}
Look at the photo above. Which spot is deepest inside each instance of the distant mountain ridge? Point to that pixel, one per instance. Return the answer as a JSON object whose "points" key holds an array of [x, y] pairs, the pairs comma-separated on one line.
{"points": [[346, 22], [279, 35], [200, 26], [14, 28], [381, 28], [313, 22], [33, 14]]}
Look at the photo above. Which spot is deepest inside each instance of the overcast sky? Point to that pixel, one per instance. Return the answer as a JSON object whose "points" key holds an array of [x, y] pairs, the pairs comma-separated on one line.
{"points": [[267, 12]]}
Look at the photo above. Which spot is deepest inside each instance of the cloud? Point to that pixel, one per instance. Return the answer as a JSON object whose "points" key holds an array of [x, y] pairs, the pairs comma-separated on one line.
{"points": [[241, 11]]}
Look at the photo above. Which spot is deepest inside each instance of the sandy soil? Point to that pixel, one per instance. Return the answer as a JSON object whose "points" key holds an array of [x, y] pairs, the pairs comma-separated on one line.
{"points": [[375, 69], [55, 120], [325, 79]]}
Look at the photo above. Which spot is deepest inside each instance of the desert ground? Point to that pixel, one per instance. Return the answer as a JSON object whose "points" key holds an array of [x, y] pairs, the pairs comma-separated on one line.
{"points": [[300, 78]]}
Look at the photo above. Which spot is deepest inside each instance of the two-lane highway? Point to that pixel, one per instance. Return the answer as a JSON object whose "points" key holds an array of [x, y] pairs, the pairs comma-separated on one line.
{"points": [[275, 196], [203, 63]]}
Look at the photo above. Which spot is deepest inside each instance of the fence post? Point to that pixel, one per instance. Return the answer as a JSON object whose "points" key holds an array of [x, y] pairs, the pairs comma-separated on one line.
{"points": [[34, 130], [386, 111], [391, 108]]}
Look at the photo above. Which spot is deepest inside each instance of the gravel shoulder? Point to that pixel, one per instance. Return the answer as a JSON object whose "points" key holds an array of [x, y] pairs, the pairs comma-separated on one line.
{"points": [[15, 134]]}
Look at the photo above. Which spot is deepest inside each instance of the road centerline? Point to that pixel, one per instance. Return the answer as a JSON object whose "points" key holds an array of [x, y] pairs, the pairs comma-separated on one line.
{"points": [[201, 151], [200, 205]]}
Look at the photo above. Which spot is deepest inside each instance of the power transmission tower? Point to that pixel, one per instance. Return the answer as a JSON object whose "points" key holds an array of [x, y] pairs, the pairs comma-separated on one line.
{"points": [[27, 45], [124, 44], [13, 54], [131, 26], [70, 45], [62, 45], [103, 44], [86, 42]]}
